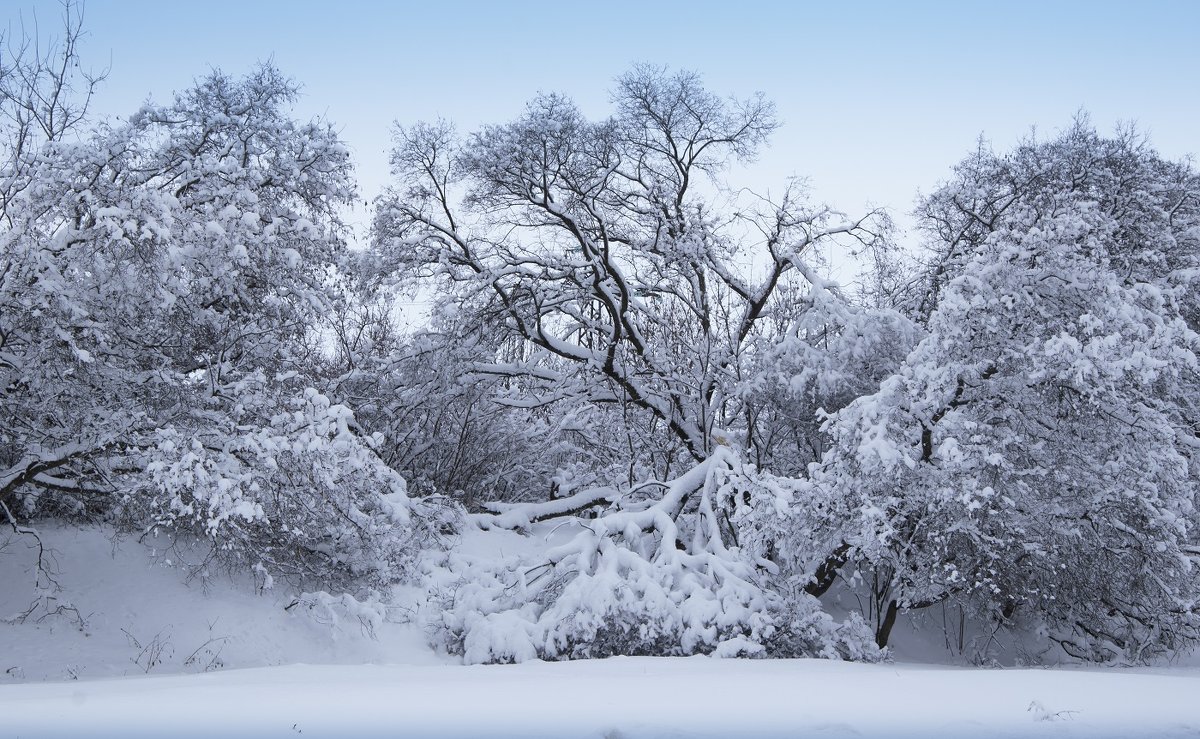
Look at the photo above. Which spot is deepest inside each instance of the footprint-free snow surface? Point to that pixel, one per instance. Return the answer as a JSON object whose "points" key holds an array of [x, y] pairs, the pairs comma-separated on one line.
{"points": [[622, 697]]}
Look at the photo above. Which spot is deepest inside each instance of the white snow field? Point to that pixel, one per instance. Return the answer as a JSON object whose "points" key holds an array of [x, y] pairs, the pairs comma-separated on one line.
{"points": [[258, 670], [620, 697]]}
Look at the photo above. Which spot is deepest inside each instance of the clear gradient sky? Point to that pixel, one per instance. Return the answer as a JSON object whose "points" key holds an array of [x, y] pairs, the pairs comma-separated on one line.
{"points": [[878, 99]]}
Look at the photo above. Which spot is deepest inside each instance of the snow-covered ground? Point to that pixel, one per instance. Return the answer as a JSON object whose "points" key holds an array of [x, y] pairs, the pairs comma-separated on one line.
{"points": [[121, 668], [622, 697], [130, 609]]}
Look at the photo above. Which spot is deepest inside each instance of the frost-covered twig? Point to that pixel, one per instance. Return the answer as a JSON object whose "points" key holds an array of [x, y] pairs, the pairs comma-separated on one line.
{"points": [[45, 580]]}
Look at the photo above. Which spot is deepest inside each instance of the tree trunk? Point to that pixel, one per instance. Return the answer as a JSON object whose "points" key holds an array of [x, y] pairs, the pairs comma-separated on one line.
{"points": [[826, 574], [885, 626]]}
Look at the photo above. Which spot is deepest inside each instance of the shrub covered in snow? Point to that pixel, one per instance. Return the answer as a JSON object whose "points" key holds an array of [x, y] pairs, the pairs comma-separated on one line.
{"points": [[659, 571], [295, 493]]}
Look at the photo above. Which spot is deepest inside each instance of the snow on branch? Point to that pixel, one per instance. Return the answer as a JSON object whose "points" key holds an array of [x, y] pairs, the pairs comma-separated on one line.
{"points": [[658, 573]]}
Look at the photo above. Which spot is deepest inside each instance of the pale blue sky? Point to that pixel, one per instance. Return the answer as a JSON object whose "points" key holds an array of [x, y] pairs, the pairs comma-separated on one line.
{"points": [[879, 99]]}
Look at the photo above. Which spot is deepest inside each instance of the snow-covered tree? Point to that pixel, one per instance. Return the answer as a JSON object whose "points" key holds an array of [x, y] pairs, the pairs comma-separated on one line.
{"points": [[161, 284], [621, 280], [600, 248], [1035, 456]]}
